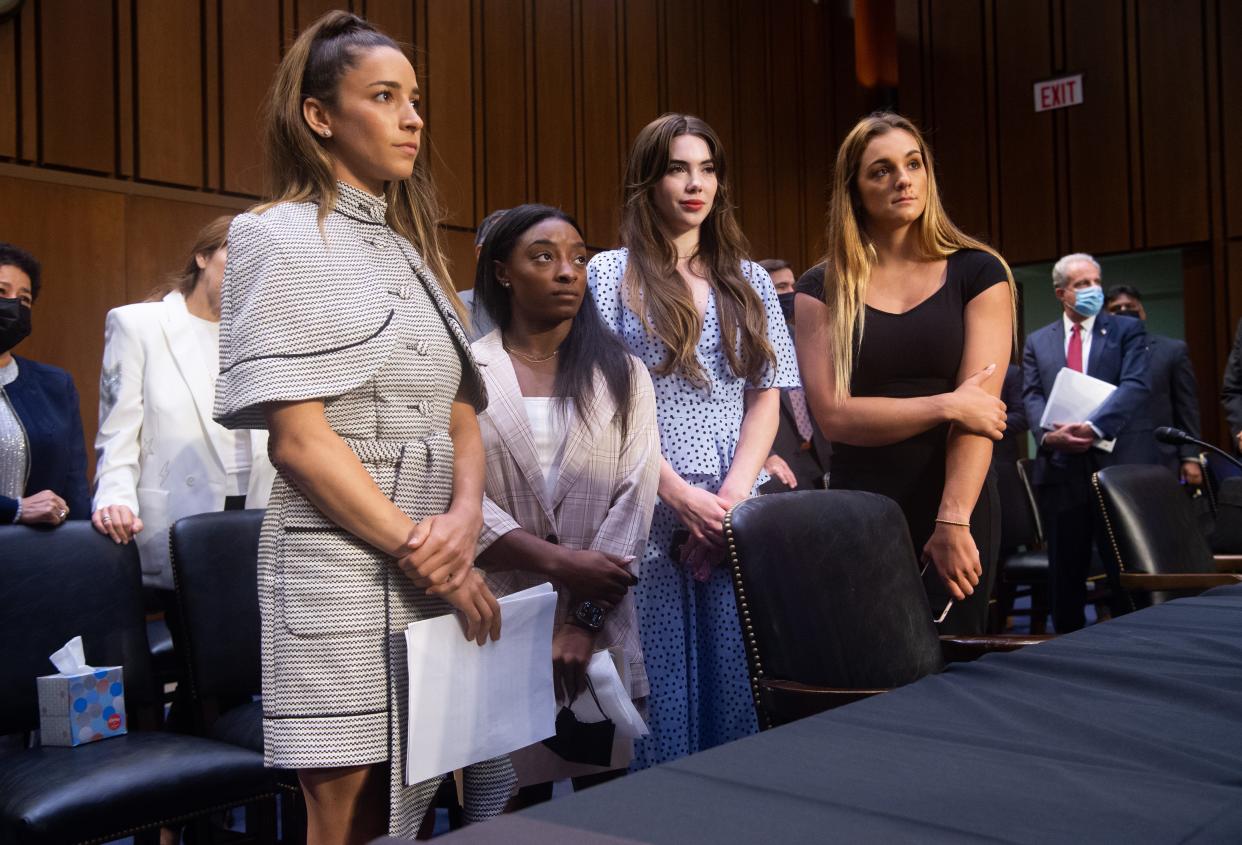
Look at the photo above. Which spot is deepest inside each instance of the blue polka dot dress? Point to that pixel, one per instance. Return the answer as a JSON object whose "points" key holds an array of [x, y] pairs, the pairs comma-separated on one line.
{"points": [[696, 664]]}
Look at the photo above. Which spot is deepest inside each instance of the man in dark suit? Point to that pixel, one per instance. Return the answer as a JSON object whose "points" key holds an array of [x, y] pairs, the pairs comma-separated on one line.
{"points": [[1113, 349], [799, 455], [1174, 391], [1009, 449]]}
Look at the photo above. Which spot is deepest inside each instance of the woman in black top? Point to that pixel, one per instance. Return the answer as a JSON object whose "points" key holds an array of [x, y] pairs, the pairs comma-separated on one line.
{"points": [[903, 350]]}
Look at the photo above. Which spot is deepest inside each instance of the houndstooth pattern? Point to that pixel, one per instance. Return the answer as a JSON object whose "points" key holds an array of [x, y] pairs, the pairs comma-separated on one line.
{"points": [[353, 317]]}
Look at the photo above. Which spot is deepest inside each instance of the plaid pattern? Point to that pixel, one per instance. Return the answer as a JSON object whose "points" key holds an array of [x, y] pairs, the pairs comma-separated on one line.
{"points": [[602, 499]]}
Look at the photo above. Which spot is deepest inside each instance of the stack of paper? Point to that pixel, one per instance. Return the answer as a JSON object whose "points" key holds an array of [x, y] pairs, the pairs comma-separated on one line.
{"points": [[470, 703], [1074, 398]]}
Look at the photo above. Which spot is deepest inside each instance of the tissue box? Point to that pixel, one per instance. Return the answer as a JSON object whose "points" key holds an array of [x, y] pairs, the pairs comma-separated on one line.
{"points": [[81, 707]]}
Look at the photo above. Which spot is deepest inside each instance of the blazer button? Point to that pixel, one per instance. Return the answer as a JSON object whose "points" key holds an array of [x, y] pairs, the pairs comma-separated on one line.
{"points": [[552, 538], [189, 481]]}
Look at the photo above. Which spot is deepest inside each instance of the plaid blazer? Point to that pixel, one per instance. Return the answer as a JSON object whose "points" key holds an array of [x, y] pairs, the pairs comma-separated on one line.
{"points": [[603, 497]]}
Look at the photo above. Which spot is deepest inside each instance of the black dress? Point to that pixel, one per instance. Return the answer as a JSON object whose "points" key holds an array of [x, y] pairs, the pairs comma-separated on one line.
{"points": [[918, 354]]}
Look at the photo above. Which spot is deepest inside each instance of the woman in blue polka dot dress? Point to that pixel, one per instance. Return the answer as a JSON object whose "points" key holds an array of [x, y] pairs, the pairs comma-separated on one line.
{"points": [[708, 325]]}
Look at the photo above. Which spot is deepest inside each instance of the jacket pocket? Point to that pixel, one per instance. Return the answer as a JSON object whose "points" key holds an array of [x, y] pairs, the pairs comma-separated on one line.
{"points": [[330, 583]]}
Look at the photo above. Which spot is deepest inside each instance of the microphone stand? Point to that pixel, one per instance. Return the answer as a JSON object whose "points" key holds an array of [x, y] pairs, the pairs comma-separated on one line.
{"points": [[1175, 437]]}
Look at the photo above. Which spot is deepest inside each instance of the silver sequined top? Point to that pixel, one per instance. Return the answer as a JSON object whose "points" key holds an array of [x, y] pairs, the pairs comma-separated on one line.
{"points": [[13, 448]]}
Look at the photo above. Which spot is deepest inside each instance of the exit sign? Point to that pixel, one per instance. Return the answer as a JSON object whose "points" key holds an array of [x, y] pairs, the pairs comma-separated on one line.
{"points": [[1058, 93]]}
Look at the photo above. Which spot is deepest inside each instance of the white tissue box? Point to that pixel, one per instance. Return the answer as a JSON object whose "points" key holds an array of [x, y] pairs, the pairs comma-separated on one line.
{"points": [[81, 707]]}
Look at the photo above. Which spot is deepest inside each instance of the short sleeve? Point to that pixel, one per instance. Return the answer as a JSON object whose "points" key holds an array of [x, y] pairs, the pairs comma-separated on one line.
{"points": [[979, 271], [604, 274], [812, 282], [786, 373], [292, 326]]}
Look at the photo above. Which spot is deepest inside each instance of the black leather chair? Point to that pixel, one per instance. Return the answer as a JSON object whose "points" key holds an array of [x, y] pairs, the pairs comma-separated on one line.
{"points": [[71, 580], [1153, 534], [1023, 559], [831, 604]]}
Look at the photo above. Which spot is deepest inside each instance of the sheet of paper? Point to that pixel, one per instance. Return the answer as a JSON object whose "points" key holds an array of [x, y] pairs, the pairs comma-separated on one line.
{"points": [[1074, 398], [614, 701], [470, 703]]}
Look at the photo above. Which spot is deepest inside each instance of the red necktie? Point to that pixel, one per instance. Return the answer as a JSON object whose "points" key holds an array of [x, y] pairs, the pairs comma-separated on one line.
{"points": [[1073, 357]]}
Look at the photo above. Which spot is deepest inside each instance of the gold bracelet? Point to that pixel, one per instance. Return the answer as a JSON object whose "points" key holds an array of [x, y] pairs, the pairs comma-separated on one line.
{"points": [[952, 522]]}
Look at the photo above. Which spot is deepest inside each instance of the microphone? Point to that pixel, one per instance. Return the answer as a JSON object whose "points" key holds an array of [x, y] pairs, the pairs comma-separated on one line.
{"points": [[1177, 437]]}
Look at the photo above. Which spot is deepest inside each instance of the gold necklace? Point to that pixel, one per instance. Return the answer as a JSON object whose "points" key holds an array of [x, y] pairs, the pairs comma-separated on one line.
{"points": [[528, 358]]}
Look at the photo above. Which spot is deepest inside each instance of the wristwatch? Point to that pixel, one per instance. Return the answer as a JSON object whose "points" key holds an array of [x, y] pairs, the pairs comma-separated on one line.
{"points": [[589, 616]]}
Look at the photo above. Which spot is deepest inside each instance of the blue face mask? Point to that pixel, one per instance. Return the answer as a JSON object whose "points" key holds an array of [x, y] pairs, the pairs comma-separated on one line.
{"points": [[1089, 301]]}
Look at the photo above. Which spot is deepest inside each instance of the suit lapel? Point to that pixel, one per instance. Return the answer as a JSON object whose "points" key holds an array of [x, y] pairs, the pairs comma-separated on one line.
{"points": [[581, 437], [195, 372], [1099, 332], [508, 414]]}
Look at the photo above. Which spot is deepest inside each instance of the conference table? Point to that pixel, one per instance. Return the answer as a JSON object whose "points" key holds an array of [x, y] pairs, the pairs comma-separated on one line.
{"points": [[1127, 731]]}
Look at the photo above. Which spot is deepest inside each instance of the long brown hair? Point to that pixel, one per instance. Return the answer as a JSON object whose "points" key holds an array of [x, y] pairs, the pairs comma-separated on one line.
{"points": [[851, 252], [210, 238], [299, 168], [655, 290]]}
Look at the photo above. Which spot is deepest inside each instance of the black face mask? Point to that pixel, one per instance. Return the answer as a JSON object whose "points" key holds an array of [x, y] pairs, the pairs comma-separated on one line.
{"points": [[1127, 312], [14, 323], [787, 304]]}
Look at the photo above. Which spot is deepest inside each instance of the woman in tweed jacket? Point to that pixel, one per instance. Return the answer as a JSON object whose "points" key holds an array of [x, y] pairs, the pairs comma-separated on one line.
{"points": [[340, 336], [573, 458]]}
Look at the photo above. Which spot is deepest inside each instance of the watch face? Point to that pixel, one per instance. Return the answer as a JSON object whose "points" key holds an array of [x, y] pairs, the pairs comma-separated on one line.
{"points": [[590, 615]]}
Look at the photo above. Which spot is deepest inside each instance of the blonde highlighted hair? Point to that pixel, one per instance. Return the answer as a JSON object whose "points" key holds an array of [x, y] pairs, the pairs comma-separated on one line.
{"points": [[298, 166], [851, 252], [655, 290], [210, 239]]}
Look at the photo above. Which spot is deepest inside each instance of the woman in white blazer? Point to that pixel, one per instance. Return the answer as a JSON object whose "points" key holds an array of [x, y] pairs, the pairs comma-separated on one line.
{"points": [[160, 454]]}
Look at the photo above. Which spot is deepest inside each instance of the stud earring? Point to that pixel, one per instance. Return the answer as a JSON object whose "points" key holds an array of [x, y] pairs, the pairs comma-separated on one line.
{"points": [[327, 133]]}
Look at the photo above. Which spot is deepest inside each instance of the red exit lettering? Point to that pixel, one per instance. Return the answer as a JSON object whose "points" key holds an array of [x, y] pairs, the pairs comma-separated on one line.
{"points": [[1058, 93]]}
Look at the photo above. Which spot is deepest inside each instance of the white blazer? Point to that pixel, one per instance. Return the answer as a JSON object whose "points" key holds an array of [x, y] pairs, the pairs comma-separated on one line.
{"points": [[159, 451]]}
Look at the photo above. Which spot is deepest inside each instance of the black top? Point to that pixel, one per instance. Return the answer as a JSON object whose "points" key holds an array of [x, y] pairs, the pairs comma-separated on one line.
{"points": [[902, 356]]}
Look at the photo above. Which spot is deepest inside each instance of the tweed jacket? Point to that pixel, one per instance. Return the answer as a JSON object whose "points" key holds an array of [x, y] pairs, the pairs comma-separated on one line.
{"points": [[604, 495]]}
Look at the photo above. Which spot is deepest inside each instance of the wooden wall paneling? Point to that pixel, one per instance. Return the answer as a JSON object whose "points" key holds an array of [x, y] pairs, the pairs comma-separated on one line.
{"points": [[1202, 339], [1174, 122], [450, 102], [910, 60], [306, 12], [682, 44], [250, 45], [459, 250], [1230, 34], [212, 114], [785, 133], [643, 87], [77, 94], [169, 64], [722, 69], [555, 106], [818, 145], [28, 81], [602, 152], [158, 237], [505, 87], [394, 17], [8, 88], [1099, 148], [1025, 145], [124, 69], [750, 159], [849, 100], [959, 136], [83, 276]]}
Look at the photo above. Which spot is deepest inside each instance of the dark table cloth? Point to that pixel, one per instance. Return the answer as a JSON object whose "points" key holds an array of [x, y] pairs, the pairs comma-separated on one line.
{"points": [[1126, 731]]}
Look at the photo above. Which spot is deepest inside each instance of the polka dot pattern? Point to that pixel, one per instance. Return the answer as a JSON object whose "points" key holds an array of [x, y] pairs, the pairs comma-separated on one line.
{"points": [[696, 664]]}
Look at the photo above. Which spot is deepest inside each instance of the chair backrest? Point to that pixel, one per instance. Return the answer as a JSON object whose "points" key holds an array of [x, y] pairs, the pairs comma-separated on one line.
{"points": [[1024, 475], [58, 583], [214, 563], [1150, 523], [828, 591], [1019, 528]]}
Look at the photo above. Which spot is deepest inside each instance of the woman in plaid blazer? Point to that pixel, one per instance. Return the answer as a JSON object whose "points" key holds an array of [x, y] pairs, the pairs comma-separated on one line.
{"points": [[572, 458]]}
